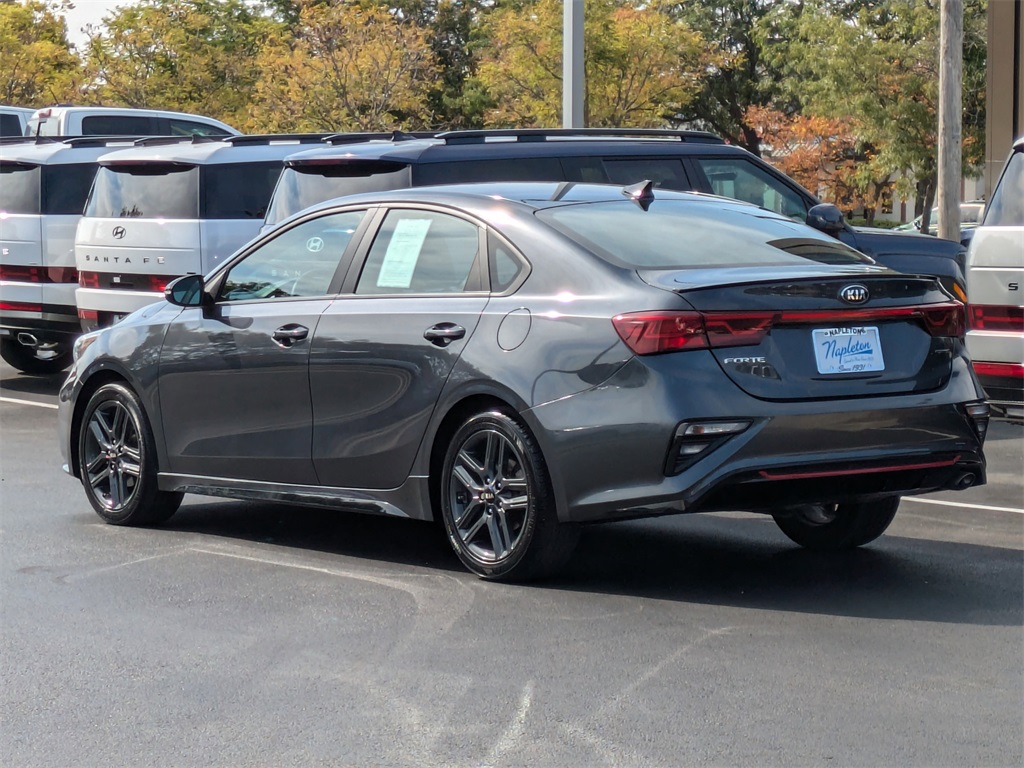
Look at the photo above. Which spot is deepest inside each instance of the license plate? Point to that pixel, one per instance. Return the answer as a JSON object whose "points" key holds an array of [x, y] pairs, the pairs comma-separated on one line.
{"points": [[847, 350]]}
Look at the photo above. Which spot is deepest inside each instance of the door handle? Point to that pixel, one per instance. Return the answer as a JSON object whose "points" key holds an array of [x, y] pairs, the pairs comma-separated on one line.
{"points": [[287, 335], [444, 334]]}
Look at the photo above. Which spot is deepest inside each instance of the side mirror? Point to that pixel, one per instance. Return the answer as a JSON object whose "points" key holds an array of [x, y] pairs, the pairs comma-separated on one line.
{"points": [[185, 291], [826, 218]]}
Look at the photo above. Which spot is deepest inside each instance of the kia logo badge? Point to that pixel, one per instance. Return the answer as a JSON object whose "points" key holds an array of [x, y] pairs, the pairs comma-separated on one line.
{"points": [[854, 294], [118, 233]]}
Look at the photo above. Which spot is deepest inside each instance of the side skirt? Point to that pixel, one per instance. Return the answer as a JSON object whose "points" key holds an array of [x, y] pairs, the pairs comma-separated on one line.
{"points": [[410, 500]]}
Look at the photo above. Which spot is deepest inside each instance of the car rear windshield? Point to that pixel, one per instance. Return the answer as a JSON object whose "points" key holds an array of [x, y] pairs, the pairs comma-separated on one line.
{"points": [[150, 190], [301, 186], [678, 234], [66, 188], [1007, 206]]}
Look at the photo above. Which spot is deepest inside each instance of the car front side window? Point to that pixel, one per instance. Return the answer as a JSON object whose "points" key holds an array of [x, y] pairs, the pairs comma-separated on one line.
{"points": [[742, 180], [299, 263]]}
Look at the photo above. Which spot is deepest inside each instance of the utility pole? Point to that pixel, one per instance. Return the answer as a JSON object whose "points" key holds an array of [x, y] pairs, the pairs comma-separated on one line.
{"points": [[951, 47], [572, 64]]}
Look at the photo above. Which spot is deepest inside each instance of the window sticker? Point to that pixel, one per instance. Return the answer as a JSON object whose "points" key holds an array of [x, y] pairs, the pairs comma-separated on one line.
{"points": [[403, 252]]}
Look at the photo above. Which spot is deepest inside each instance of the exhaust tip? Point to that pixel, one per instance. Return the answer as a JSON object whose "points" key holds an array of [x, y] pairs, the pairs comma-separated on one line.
{"points": [[27, 339], [965, 481]]}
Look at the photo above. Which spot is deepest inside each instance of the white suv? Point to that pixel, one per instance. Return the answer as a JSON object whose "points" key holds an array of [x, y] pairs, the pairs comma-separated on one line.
{"points": [[995, 292]]}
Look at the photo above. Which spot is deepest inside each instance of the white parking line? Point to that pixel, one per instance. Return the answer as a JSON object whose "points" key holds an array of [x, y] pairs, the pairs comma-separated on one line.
{"points": [[961, 504], [27, 402]]}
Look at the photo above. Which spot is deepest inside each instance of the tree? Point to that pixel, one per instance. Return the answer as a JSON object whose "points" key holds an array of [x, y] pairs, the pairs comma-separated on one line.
{"points": [[874, 66], [642, 66], [345, 67], [37, 64], [189, 55]]}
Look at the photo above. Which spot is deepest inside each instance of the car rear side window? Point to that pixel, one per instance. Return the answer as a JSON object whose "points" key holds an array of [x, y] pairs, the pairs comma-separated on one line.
{"points": [[191, 128], [1007, 206], [10, 125], [511, 169], [66, 188], [19, 188], [677, 235], [666, 172], [148, 190], [421, 252], [117, 125], [237, 190]]}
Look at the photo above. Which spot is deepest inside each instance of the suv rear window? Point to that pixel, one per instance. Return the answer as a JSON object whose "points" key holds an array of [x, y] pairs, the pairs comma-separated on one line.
{"points": [[10, 125], [675, 234], [153, 190], [301, 186], [1007, 206], [19, 188], [237, 190]]}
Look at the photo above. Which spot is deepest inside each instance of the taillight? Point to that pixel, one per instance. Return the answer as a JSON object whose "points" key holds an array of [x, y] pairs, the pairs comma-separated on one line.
{"points": [[25, 274], [89, 279], [652, 333], [157, 283], [19, 306], [991, 318], [999, 370]]}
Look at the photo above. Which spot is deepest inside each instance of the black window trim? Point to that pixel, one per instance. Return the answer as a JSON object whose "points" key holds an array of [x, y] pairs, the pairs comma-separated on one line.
{"points": [[493, 239]]}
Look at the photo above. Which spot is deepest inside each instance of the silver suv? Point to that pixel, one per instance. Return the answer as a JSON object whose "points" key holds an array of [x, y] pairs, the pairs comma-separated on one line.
{"points": [[995, 274]]}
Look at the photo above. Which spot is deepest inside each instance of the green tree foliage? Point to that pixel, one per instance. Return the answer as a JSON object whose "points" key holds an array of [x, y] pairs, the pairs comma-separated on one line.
{"points": [[642, 66], [37, 65], [345, 67], [189, 55], [875, 67], [746, 76]]}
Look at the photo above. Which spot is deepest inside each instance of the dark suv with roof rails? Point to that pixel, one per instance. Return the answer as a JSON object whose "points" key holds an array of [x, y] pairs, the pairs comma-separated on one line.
{"points": [[681, 160]]}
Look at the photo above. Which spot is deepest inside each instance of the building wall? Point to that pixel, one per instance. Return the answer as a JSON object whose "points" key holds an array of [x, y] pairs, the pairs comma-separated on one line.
{"points": [[1005, 87]]}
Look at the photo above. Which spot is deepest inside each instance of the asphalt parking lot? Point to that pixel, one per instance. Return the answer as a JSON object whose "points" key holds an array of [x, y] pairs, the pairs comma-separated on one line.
{"points": [[243, 634]]}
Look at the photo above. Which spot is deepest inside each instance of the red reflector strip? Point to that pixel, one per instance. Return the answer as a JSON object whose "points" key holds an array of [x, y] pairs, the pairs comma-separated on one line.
{"points": [[88, 314], [996, 318], [19, 306], [26, 274], [946, 319], [1002, 370], [771, 475]]}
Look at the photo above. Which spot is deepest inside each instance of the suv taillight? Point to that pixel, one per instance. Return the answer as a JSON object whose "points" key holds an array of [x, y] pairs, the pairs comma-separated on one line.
{"points": [[994, 318]]}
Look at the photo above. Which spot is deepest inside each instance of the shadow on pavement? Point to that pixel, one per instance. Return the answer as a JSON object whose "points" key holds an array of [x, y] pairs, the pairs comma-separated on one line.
{"points": [[740, 562], [13, 382]]}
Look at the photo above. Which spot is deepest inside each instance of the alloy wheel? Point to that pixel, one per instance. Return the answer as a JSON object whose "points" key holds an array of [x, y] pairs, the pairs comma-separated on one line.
{"points": [[113, 455]]}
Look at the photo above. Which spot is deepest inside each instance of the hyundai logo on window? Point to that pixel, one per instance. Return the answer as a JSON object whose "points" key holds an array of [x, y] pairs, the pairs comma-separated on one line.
{"points": [[118, 233], [854, 294]]}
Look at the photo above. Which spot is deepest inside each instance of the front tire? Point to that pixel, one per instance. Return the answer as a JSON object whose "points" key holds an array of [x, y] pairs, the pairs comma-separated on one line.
{"points": [[496, 502], [117, 460], [46, 361], [834, 527]]}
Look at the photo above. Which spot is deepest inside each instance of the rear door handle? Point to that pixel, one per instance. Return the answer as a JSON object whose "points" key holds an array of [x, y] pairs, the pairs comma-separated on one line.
{"points": [[287, 335], [444, 334]]}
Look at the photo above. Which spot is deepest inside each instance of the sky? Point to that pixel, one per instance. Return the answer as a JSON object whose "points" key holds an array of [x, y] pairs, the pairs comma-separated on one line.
{"points": [[88, 12]]}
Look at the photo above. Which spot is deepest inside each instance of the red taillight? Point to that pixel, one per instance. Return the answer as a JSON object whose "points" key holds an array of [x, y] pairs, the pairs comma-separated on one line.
{"points": [[1001, 370], [89, 279], [651, 333], [19, 306], [157, 283], [89, 314], [991, 318], [25, 274]]}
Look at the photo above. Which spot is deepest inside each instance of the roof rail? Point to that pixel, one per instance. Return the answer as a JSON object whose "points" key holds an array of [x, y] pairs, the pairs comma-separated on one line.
{"points": [[98, 141], [544, 134], [269, 138], [156, 141], [355, 138], [5, 140]]}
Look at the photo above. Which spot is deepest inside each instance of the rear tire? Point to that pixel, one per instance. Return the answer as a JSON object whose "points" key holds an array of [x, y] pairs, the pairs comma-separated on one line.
{"points": [[496, 502], [833, 527], [117, 460], [33, 360]]}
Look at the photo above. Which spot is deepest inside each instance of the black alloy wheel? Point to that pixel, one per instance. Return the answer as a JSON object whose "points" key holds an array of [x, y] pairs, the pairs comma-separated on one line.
{"points": [[833, 527], [496, 502], [116, 460]]}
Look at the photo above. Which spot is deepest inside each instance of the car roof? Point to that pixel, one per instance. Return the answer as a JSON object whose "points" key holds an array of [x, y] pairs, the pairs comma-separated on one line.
{"points": [[455, 146], [208, 150], [43, 151]]}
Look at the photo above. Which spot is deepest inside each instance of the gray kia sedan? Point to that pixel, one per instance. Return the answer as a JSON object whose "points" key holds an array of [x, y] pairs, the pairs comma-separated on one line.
{"points": [[515, 359]]}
